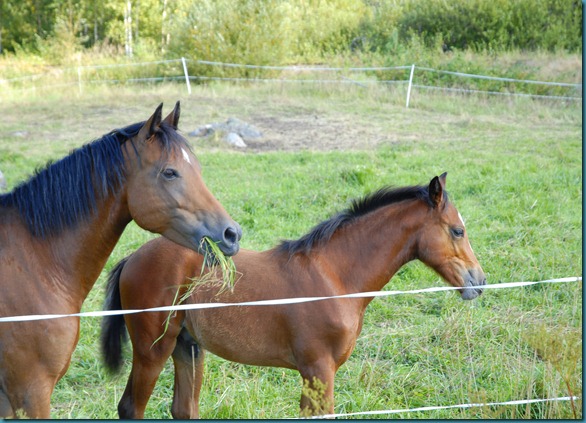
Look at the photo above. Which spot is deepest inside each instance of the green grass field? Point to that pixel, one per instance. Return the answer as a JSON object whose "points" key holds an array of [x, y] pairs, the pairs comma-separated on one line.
{"points": [[514, 172]]}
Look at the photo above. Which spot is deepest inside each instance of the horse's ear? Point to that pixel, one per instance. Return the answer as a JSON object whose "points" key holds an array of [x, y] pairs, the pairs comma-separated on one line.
{"points": [[442, 179], [148, 129], [173, 118], [436, 189]]}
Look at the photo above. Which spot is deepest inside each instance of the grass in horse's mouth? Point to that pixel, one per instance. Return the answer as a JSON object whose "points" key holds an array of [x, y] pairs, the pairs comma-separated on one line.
{"points": [[214, 260]]}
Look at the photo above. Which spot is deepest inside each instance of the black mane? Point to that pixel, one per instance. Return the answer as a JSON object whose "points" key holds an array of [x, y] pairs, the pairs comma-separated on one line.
{"points": [[322, 232], [66, 191]]}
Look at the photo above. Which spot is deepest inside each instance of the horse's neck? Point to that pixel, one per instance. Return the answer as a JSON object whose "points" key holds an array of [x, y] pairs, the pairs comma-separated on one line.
{"points": [[368, 252], [84, 249]]}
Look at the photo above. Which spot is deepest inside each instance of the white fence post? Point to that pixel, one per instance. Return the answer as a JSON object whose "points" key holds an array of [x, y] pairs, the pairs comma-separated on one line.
{"points": [[186, 75], [409, 87]]}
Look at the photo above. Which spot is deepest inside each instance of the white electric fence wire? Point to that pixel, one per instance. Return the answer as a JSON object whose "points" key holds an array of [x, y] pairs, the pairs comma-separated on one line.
{"points": [[300, 68], [297, 81], [281, 301], [468, 91], [412, 68], [444, 407], [496, 78]]}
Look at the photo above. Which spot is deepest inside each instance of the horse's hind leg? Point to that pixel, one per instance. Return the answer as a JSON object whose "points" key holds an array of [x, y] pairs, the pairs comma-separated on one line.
{"points": [[188, 359], [141, 382], [148, 360]]}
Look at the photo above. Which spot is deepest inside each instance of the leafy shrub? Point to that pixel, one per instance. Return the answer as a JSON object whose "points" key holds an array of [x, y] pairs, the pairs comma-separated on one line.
{"points": [[269, 32], [494, 24]]}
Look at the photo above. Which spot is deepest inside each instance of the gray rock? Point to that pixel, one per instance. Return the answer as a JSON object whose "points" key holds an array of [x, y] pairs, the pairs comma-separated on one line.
{"points": [[243, 129], [234, 139], [233, 131], [202, 131]]}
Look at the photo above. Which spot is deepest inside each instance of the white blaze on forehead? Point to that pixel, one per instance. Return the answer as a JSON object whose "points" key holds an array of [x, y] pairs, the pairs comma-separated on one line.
{"points": [[471, 249], [461, 219], [185, 155], [463, 224]]}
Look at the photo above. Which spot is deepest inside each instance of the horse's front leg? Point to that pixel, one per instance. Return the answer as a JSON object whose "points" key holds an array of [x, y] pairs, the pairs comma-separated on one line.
{"points": [[34, 363], [6, 410], [317, 395], [188, 359], [29, 396]]}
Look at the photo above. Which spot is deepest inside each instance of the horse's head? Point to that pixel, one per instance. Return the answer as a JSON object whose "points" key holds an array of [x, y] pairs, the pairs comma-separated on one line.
{"points": [[166, 192], [443, 244]]}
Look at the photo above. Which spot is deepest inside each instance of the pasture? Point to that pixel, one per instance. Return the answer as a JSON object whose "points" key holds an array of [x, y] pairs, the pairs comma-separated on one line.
{"points": [[514, 172]]}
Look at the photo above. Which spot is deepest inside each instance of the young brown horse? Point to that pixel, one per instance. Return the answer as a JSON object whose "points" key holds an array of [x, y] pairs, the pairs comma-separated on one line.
{"points": [[58, 229], [358, 250]]}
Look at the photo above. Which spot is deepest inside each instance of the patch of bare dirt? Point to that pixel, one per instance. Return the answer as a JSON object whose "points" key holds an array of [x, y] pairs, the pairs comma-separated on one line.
{"points": [[311, 132]]}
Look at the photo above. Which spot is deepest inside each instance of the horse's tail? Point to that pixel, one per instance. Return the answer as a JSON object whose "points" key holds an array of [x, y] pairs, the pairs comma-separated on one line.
{"points": [[113, 334]]}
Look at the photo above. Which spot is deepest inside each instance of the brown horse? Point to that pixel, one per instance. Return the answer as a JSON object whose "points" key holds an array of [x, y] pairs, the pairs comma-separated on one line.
{"points": [[359, 250], [58, 228]]}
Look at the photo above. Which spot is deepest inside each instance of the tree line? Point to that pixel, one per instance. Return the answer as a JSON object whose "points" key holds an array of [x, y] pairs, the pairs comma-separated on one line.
{"points": [[26, 23], [288, 28]]}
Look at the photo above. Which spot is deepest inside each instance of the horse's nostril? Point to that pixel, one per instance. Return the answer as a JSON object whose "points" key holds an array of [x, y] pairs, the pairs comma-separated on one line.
{"points": [[231, 235]]}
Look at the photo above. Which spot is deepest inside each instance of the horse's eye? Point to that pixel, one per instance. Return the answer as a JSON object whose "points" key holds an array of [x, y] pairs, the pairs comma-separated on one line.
{"points": [[170, 173], [457, 232]]}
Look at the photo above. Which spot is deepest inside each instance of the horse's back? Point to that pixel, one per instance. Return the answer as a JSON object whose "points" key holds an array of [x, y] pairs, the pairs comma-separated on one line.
{"points": [[153, 271], [161, 263]]}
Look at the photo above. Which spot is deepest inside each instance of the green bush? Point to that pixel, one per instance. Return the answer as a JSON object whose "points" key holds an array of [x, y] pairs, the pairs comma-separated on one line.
{"points": [[279, 31], [494, 24], [231, 31], [269, 32]]}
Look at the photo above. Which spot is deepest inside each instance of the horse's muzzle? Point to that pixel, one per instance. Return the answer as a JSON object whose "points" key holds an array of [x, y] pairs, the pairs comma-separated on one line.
{"points": [[227, 241], [230, 243], [473, 281]]}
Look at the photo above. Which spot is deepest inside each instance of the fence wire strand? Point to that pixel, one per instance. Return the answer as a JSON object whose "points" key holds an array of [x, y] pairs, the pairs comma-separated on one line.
{"points": [[83, 70], [279, 301], [444, 407]]}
